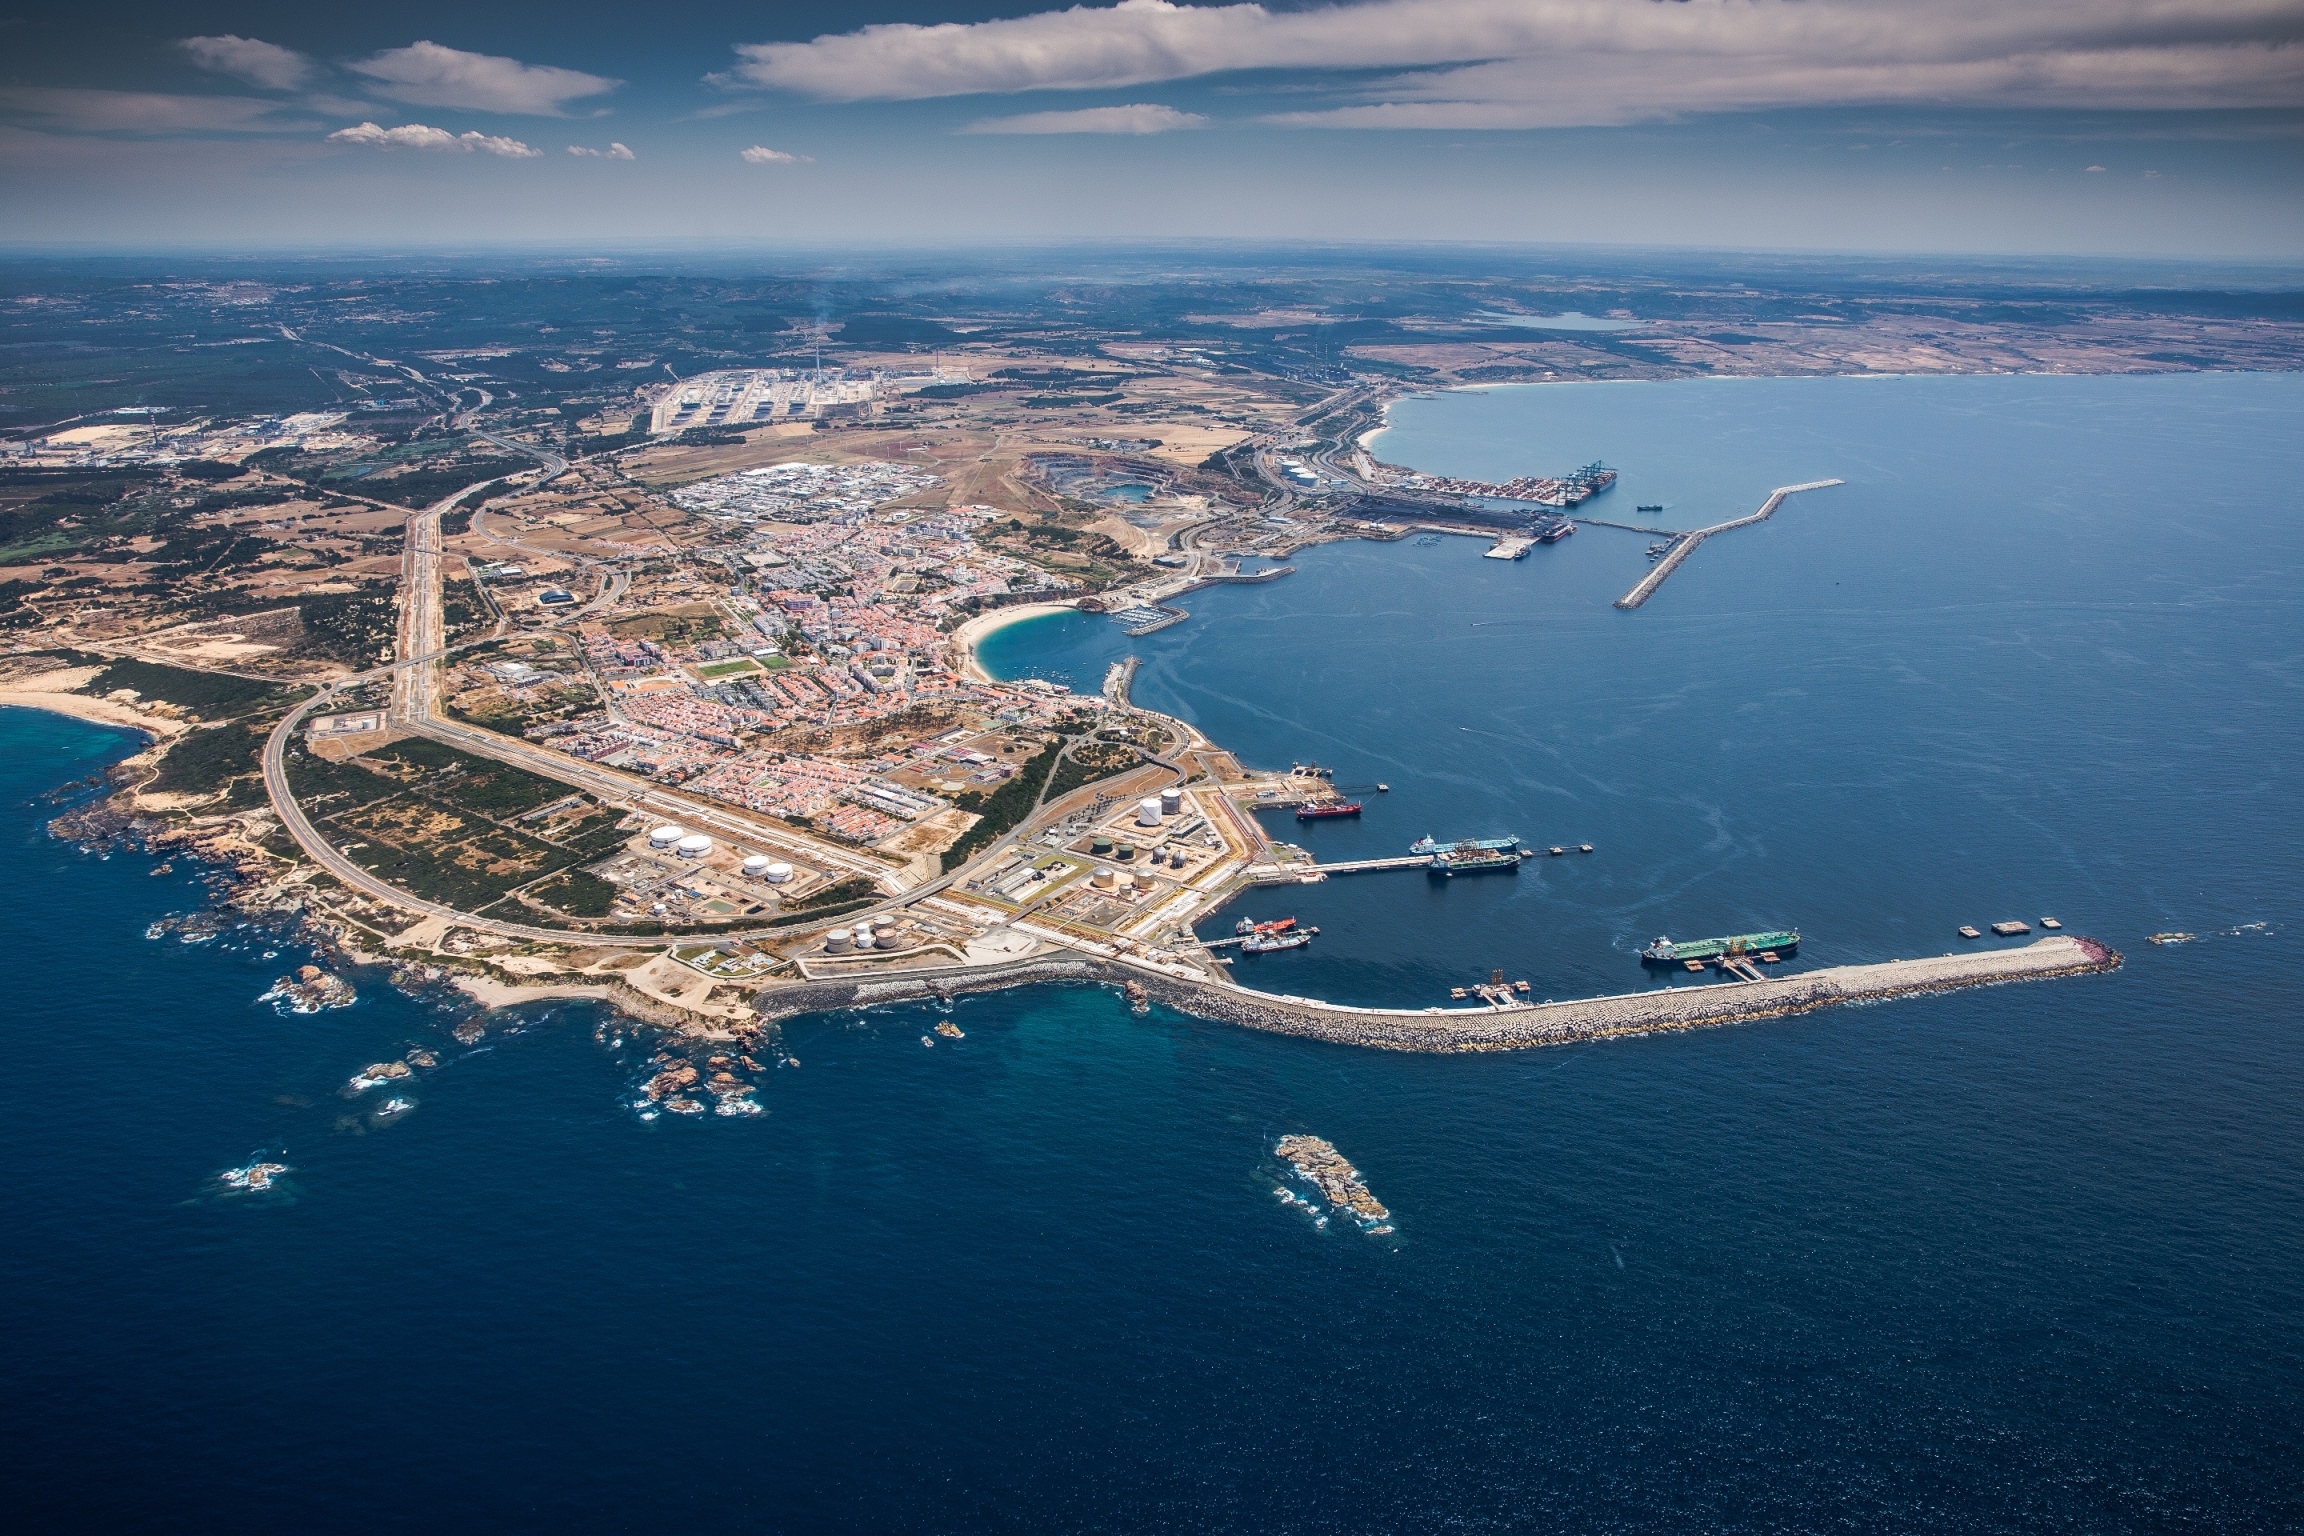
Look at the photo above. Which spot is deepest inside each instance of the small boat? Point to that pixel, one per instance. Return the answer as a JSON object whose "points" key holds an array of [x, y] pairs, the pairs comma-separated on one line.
{"points": [[1656, 508], [1583, 847], [1967, 932], [1319, 810], [2050, 924], [2170, 938], [950, 1030]]}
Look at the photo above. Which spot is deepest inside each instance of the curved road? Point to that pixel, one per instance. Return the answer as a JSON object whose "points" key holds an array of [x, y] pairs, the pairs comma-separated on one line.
{"points": [[420, 645]]}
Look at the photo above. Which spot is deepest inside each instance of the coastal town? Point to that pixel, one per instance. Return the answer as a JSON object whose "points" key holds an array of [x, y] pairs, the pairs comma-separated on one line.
{"points": [[675, 699]]}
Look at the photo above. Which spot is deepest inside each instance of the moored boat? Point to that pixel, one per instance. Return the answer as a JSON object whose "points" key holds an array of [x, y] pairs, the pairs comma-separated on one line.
{"points": [[1472, 859], [1665, 952]]}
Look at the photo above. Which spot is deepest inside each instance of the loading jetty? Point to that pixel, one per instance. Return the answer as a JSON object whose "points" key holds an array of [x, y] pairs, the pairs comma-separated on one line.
{"points": [[1684, 544]]}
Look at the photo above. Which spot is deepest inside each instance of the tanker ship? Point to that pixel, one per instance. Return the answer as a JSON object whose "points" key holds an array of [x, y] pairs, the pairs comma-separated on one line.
{"points": [[1471, 856], [1665, 952]]}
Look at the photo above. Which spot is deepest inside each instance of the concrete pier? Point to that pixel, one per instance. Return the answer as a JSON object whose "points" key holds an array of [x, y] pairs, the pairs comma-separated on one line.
{"points": [[1685, 544]]}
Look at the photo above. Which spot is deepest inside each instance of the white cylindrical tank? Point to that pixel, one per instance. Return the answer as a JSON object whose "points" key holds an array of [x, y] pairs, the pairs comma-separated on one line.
{"points": [[666, 835], [1148, 811], [1171, 802], [776, 874], [1143, 882], [863, 935], [837, 941], [1103, 879], [694, 846], [756, 866]]}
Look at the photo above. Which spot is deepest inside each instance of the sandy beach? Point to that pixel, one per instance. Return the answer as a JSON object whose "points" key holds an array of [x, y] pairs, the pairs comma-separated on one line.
{"points": [[968, 636], [491, 993], [50, 691]]}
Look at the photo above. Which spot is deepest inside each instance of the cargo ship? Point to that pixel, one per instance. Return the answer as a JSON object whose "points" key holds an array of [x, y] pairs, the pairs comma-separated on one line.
{"points": [[1665, 952], [1572, 490], [1249, 925], [1322, 809]]}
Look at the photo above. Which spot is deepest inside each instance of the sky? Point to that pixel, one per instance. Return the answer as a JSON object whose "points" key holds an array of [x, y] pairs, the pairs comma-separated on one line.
{"points": [[2090, 127]]}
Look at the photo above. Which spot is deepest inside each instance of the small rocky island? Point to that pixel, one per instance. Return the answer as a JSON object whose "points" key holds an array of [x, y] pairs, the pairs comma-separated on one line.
{"points": [[310, 990], [1320, 1163]]}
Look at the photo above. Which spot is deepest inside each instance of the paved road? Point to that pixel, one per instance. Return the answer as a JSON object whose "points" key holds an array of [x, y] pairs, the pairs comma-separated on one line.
{"points": [[421, 644]]}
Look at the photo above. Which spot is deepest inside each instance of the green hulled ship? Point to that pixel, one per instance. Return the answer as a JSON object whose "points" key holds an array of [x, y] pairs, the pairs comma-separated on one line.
{"points": [[1665, 952]]}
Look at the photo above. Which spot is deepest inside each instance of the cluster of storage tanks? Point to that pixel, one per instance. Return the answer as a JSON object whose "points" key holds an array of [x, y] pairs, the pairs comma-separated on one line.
{"points": [[1114, 880], [1150, 809], [694, 845], [880, 933]]}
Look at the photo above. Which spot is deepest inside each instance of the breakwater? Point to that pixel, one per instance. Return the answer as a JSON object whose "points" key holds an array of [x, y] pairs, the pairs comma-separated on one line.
{"points": [[1684, 545], [1514, 1027], [1635, 1013]]}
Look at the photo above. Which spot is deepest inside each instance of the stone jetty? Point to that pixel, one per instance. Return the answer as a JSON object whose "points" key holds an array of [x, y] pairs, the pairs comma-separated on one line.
{"points": [[1517, 1026]]}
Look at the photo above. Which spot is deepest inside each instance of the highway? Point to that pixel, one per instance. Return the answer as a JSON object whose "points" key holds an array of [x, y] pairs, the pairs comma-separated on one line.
{"points": [[421, 642]]}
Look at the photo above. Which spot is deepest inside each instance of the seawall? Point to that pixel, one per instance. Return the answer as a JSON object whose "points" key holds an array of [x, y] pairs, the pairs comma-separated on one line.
{"points": [[1518, 1027]]}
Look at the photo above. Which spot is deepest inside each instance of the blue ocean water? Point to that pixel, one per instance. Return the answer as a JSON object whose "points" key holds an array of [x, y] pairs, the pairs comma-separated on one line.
{"points": [[2015, 1259]]}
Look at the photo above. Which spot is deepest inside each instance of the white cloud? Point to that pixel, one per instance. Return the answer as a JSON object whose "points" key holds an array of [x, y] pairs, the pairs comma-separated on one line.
{"points": [[250, 59], [614, 151], [418, 136], [761, 154], [426, 74], [78, 111], [1528, 63], [1142, 117]]}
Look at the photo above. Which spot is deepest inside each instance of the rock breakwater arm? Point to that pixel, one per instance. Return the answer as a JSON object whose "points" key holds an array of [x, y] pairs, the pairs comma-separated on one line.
{"points": [[1635, 1013], [1517, 1027]]}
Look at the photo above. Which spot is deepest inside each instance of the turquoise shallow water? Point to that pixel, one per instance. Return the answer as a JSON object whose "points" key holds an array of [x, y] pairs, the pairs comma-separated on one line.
{"points": [[2023, 1258]]}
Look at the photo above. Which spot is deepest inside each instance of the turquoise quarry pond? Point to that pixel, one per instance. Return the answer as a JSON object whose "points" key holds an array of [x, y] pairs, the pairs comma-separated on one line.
{"points": [[2017, 1258]]}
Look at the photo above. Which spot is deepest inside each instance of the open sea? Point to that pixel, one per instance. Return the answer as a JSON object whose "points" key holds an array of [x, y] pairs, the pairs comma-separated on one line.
{"points": [[2028, 1258]]}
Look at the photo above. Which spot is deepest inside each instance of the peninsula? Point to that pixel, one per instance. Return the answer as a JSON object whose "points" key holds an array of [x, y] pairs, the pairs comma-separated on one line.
{"points": [[670, 695]]}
